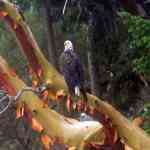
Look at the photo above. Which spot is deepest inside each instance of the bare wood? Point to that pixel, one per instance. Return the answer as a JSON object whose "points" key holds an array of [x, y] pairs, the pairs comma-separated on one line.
{"points": [[131, 134], [66, 130]]}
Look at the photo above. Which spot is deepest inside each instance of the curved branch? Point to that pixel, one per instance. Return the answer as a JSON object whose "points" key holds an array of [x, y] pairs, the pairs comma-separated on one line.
{"points": [[56, 126], [132, 135]]}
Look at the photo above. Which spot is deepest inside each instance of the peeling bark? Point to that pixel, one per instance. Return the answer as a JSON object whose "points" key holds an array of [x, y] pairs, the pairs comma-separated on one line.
{"points": [[131, 134], [59, 128]]}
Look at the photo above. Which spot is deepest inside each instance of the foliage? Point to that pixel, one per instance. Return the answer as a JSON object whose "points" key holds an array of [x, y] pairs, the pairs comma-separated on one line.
{"points": [[139, 37], [146, 113], [35, 20], [142, 65], [23, 4], [139, 52]]}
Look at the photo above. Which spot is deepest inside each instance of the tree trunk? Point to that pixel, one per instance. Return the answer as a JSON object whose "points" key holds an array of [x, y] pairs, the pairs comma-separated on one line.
{"points": [[91, 73], [93, 76], [49, 31], [105, 36]]}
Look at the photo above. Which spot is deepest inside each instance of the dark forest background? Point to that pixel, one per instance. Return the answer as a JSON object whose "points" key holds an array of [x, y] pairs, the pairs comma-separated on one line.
{"points": [[114, 47]]}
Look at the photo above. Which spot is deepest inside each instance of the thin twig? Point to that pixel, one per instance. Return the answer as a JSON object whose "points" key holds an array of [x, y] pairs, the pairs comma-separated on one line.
{"points": [[12, 99], [65, 5], [9, 103], [3, 98]]}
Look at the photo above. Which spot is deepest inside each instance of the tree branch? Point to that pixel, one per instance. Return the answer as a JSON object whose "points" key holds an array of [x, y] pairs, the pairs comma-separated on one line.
{"points": [[68, 131], [132, 135]]}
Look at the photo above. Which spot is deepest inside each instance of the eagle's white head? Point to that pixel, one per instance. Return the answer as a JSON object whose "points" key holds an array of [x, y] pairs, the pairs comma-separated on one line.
{"points": [[68, 46]]}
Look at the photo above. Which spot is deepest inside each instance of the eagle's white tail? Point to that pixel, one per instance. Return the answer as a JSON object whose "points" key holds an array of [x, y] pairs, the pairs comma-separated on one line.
{"points": [[77, 91]]}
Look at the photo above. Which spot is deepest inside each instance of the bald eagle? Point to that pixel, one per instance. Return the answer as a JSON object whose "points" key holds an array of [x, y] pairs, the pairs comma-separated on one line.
{"points": [[72, 70]]}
